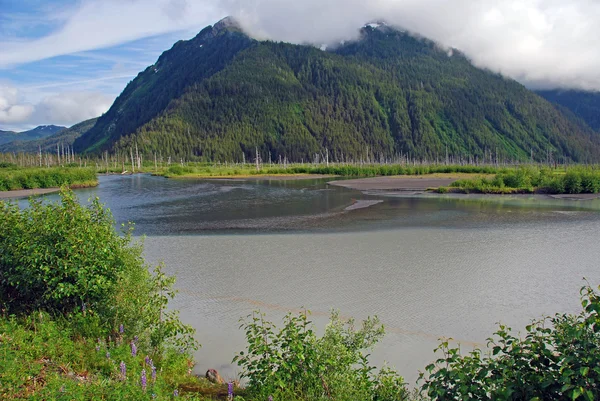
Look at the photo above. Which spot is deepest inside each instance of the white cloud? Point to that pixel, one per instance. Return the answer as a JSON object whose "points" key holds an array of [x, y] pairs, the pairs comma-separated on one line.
{"points": [[72, 107], [539, 42], [65, 108], [103, 23], [10, 110], [543, 43]]}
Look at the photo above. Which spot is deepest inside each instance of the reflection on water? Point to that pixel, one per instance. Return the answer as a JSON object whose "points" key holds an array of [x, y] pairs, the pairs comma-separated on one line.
{"points": [[429, 267], [160, 206]]}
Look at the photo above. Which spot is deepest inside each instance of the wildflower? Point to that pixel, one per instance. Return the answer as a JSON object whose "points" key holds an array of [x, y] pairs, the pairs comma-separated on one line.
{"points": [[121, 329], [108, 355], [143, 379], [97, 348], [230, 391], [153, 373], [153, 396], [175, 393], [270, 398], [148, 360], [133, 349], [135, 339], [123, 370]]}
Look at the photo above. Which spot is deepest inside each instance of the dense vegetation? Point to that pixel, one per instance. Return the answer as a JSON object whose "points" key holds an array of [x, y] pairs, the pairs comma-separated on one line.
{"points": [[49, 144], [224, 97], [584, 105], [575, 180], [13, 178], [82, 315], [211, 170], [40, 132]]}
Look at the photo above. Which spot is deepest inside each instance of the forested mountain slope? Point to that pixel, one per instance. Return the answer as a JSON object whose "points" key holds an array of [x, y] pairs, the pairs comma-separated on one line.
{"points": [[64, 137], [222, 95], [42, 131], [585, 105]]}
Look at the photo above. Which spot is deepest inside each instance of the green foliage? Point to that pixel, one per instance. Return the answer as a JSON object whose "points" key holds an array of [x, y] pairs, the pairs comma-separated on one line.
{"points": [[576, 180], [31, 178], [558, 359], [294, 363], [583, 105], [68, 259], [44, 358]]}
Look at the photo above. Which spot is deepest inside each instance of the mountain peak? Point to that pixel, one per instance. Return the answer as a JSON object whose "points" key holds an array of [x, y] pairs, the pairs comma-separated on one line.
{"points": [[228, 23]]}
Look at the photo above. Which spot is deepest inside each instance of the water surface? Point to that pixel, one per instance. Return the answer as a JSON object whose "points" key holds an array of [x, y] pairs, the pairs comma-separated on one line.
{"points": [[429, 267]]}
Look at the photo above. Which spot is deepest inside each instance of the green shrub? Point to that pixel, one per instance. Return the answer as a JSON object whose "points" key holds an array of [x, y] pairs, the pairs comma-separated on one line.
{"points": [[68, 260], [573, 182], [294, 363], [557, 359]]}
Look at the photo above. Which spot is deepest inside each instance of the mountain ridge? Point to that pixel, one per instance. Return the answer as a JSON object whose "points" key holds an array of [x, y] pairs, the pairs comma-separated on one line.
{"points": [[38, 132], [224, 96], [63, 137]]}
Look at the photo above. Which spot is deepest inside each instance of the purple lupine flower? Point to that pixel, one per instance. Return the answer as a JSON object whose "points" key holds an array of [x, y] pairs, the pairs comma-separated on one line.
{"points": [[133, 349], [230, 391], [123, 370], [135, 339], [175, 393], [147, 360], [153, 373], [121, 329], [108, 355], [143, 379], [270, 398]]}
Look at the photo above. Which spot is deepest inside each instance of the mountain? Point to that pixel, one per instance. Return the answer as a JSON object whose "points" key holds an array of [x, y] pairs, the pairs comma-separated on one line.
{"points": [[64, 137], [37, 133], [584, 105], [222, 95]]}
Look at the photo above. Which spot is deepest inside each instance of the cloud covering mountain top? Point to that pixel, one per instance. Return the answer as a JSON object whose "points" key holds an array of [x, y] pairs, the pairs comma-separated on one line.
{"points": [[541, 43]]}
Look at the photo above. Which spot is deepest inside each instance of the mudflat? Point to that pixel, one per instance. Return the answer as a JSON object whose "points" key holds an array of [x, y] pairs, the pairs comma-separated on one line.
{"points": [[397, 183], [25, 193]]}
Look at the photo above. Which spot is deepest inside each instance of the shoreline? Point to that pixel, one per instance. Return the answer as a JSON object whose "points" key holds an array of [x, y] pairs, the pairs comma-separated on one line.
{"points": [[26, 193], [254, 177], [410, 184]]}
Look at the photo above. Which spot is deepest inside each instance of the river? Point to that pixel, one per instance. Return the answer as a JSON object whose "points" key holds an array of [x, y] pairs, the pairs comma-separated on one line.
{"points": [[428, 266]]}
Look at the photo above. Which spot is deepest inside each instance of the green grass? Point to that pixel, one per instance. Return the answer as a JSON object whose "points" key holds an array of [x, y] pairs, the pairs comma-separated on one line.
{"points": [[371, 170], [12, 178], [42, 358], [575, 180]]}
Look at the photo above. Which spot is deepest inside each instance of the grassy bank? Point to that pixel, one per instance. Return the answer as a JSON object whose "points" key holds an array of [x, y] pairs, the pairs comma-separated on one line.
{"points": [[12, 178], [214, 171], [575, 180]]}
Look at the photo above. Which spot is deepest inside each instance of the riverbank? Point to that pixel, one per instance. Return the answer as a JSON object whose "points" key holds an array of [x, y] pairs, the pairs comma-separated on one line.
{"points": [[12, 179], [244, 177], [26, 193], [420, 183]]}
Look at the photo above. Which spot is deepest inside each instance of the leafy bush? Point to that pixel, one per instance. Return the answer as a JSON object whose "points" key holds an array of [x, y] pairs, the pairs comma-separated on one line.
{"points": [[68, 259], [294, 363], [558, 359]]}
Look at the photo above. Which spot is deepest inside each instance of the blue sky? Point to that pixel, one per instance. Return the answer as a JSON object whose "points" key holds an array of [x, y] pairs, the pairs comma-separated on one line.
{"points": [[64, 61]]}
